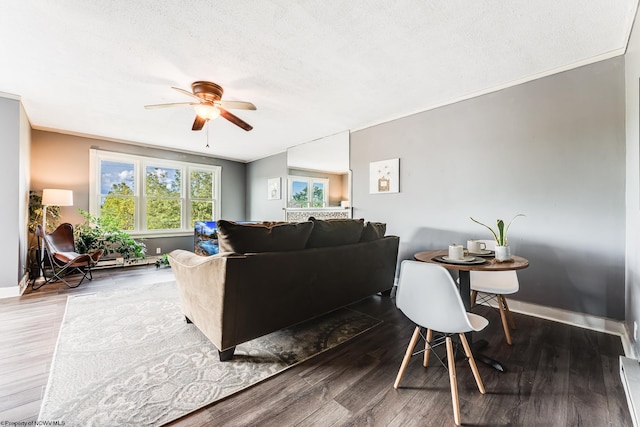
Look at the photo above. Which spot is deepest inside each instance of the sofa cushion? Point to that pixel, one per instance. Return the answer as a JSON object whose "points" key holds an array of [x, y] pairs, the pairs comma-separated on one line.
{"points": [[373, 231], [272, 223], [253, 238], [335, 232]]}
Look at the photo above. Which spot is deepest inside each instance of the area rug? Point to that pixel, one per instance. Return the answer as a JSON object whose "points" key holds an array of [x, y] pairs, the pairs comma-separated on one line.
{"points": [[129, 358]]}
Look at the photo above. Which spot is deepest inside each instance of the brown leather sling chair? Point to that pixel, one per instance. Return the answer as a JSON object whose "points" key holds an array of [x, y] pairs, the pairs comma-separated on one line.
{"points": [[64, 260]]}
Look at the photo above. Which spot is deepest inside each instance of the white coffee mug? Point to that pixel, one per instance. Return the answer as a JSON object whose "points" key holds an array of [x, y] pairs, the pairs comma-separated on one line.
{"points": [[456, 252], [476, 246]]}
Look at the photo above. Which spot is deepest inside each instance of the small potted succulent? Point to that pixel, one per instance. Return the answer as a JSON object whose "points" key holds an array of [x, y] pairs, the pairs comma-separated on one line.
{"points": [[163, 261], [503, 253]]}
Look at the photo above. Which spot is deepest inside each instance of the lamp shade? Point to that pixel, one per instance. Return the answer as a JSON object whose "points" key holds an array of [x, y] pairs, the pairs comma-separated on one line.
{"points": [[207, 111], [55, 197]]}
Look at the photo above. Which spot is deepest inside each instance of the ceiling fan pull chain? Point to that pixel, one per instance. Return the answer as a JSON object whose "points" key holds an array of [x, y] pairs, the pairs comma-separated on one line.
{"points": [[207, 133]]}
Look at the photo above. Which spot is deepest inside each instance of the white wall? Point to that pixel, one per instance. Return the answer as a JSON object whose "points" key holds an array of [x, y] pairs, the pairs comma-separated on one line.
{"points": [[632, 75], [552, 149]]}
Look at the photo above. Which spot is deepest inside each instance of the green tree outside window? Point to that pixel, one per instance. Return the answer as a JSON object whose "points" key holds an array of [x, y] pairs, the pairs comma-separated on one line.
{"points": [[119, 205], [164, 205], [201, 193]]}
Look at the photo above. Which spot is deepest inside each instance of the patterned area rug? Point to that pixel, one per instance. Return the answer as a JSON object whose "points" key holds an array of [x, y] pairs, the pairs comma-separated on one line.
{"points": [[129, 358]]}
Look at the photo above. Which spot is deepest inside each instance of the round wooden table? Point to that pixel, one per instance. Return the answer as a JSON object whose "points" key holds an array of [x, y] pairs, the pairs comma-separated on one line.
{"points": [[490, 264]]}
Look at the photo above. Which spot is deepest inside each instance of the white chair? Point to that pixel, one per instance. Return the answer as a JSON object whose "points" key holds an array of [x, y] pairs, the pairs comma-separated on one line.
{"points": [[495, 284], [429, 297]]}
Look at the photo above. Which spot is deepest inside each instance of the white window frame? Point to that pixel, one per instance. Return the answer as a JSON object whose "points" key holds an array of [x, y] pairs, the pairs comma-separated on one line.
{"points": [[140, 165], [310, 181]]}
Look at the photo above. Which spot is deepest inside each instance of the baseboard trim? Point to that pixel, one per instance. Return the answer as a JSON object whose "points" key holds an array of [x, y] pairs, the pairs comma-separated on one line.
{"points": [[121, 262], [581, 320], [15, 291], [630, 377], [22, 286], [10, 292]]}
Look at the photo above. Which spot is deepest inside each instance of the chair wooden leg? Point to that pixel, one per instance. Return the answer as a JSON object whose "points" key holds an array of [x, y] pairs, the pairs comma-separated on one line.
{"points": [[472, 362], [503, 316], [407, 356], [509, 316], [474, 295], [453, 382], [427, 348]]}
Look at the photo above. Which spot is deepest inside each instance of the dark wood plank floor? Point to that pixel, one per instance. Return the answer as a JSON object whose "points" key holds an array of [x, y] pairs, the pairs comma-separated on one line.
{"points": [[558, 375]]}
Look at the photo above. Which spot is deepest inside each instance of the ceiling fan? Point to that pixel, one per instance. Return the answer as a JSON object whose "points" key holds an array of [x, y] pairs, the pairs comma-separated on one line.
{"points": [[210, 105]]}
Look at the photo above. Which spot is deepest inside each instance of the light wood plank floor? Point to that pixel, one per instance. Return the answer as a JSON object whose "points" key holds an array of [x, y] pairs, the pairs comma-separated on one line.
{"points": [[557, 375]]}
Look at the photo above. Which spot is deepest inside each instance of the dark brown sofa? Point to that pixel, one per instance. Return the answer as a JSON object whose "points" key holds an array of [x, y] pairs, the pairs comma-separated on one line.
{"points": [[270, 276]]}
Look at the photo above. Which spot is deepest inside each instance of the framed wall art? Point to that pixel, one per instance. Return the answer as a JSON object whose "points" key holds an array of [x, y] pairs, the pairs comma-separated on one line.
{"points": [[384, 176], [273, 187]]}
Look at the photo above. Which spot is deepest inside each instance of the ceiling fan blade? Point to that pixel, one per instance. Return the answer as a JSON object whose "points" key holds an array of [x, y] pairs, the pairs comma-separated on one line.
{"points": [[186, 92], [239, 105], [198, 123], [173, 104], [235, 120]]}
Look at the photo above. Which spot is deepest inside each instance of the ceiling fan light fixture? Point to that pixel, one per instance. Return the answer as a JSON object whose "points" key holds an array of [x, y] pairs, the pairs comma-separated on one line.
{"points": [[210, 105], [207, 111]]}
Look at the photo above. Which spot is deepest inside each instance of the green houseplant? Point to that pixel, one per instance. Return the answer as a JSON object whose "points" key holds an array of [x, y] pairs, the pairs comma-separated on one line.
{"points": [[163, 261], [502, 242], [103, 233]]}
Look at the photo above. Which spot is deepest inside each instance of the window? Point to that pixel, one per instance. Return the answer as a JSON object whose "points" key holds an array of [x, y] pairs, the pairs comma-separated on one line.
{"points": [[153, 196], [200, 187], [308, 192], [117, 190], [163, 191]]}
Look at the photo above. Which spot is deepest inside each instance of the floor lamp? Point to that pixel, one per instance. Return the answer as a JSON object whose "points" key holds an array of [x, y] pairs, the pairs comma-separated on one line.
{"points": [[51, 197]]}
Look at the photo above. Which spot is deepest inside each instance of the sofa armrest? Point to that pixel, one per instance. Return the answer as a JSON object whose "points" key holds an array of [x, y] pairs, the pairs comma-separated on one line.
{"points": [[201, 286]]}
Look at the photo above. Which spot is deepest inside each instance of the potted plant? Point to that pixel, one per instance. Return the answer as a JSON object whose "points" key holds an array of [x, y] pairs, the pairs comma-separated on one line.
{"points": [[103, 233], [163, 261], [503, 253]]}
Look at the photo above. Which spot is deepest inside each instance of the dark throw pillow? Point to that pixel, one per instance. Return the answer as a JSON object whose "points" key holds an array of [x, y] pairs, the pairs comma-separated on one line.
{"points": [[373, 231], [251, 238], [335, 232]]}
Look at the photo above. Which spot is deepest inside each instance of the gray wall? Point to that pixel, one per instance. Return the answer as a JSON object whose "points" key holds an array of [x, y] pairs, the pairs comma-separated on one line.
{"points": [[24, 183], [14, 170], [553, 149], [258, 174], [632, 71], [62, 161]]}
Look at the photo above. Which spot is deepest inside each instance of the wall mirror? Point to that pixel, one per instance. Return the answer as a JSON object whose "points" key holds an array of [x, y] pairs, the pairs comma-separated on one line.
{"points": [[319, 178]]}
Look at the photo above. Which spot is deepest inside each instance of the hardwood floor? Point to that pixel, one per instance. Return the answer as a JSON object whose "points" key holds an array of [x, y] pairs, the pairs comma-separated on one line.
{"points": [[557, 375]]}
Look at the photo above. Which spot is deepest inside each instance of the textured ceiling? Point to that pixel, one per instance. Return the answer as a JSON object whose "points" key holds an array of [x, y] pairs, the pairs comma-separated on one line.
{"points": [[312, 68]]}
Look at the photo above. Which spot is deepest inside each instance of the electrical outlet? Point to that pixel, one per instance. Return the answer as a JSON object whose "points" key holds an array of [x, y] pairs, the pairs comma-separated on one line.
{"points": [[158, 251]]}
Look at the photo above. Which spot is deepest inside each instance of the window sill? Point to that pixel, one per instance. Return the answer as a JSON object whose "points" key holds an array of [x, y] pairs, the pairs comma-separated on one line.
{"points": [[161, 234]]}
